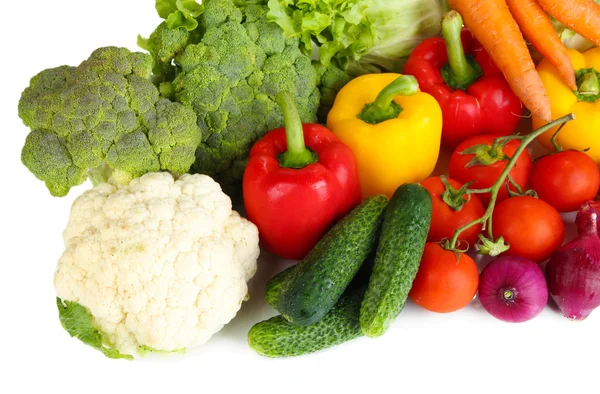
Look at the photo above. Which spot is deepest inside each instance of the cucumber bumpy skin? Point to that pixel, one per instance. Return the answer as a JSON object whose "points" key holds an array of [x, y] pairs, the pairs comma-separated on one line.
{"points": [[277, 337], [403, 236], [319, 280]]}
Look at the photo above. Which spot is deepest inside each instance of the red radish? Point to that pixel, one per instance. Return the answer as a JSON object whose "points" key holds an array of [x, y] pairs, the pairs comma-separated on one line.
{"points": [[573, 273], [513, 289]]}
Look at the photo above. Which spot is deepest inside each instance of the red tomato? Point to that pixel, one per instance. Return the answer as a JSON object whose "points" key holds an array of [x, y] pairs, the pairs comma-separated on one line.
{"points": [[565, 180], [442, 283], [486, 175], [531, 227], [445, 220]]}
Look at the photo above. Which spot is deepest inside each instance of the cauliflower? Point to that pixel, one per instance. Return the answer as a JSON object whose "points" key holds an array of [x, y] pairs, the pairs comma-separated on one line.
{"points": [[159, 264], [104, 113]]}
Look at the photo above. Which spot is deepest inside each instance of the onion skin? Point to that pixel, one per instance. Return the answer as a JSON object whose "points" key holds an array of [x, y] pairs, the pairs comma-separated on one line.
{"points": [[513, 289], [573, 273], [583, 215]]}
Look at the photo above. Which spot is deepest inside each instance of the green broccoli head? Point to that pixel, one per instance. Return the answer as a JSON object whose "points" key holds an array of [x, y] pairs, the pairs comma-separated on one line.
{"points": [[229, 74], [164, 44], [105, 112]]}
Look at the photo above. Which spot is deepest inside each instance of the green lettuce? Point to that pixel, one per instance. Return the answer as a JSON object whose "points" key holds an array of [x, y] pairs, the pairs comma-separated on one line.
{"points": [[359, 35]]}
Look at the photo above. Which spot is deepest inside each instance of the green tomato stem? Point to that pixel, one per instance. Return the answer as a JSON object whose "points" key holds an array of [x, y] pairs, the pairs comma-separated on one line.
{"points": [[486, 219], [461, 71], [384, 107], [297, 155]]}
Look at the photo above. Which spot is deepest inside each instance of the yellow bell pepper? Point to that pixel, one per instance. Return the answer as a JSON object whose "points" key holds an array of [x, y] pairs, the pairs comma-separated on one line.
{"points": [[584, 131], [393, 129]]}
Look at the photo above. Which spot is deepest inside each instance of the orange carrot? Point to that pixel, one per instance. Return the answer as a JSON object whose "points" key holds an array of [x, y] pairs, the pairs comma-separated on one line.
{"points": [[582, 16], [492, 24], [536, 27]]}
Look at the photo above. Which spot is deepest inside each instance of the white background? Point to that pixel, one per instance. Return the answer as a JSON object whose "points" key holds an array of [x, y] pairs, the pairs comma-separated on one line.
{"points": [[463, 352]]}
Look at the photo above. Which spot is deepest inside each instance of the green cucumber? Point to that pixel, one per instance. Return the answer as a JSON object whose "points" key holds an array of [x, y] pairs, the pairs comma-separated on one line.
{"points": [[275, 284], [318, 281], [278, 337], [403, 236]]}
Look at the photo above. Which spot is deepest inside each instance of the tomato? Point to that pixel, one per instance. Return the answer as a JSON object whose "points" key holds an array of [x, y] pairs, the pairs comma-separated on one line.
{"points": [[445, 220], [531, 227], [444, 284], [565, 180], [486, 175]]}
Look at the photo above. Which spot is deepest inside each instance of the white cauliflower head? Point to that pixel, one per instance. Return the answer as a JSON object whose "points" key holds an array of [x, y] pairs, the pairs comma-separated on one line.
{"points": [[159, 263]]}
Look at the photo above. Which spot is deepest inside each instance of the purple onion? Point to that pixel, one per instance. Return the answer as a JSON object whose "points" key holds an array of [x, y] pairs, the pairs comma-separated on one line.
{"points": [[573, 273], [513, 289], [583, 215]]}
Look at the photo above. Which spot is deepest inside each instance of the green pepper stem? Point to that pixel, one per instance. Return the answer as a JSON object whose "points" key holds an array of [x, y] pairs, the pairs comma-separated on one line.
{"points": [[460, 72], [589, 84], [384, 107], [296, 155], [486, 219]]}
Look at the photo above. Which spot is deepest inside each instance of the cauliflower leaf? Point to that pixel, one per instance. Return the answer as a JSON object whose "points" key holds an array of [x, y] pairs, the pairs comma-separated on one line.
{"points": [[77, 321]]}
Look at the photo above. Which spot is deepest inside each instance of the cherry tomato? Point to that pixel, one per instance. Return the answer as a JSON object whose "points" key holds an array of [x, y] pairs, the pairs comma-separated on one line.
{"points": [[531, 227], [565, 180], [446, 220], [486, 175], [444, 284]]}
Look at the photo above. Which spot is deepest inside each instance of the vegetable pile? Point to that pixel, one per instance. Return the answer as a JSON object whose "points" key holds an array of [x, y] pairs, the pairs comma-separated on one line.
{"points": [[226, 102]]}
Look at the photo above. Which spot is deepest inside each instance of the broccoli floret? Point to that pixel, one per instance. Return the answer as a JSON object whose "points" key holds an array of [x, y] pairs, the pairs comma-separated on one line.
{"points": [[164, 44], [230, 76], [332, 79], [105, 112]]}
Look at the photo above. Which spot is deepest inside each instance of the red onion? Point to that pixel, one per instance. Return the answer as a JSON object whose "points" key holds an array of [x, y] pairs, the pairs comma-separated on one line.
{"points": [[573, 273], [583, 215], [513, 289]]}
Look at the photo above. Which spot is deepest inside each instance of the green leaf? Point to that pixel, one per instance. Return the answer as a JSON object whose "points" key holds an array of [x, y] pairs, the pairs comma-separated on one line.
{"points": [[144, 350], [77, 321], [179, 13], [277, 13], [179, 19], [143, 42], [190, 7], [165, 7]]}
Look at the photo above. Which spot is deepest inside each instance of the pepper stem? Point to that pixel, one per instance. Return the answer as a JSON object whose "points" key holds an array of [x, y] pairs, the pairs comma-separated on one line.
{"points": [[461, 70], [588, 85], [296, 155], [384, 107]]}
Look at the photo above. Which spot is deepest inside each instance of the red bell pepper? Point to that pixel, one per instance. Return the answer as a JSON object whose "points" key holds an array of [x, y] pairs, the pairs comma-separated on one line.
{"points": [[472, 92], [294, 194]]}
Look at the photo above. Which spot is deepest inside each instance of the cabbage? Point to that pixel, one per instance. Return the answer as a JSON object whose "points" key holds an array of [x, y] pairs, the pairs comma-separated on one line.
{"points": [[360, 36]]}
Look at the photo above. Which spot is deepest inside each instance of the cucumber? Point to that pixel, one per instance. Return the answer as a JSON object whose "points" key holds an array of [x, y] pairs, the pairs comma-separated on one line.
{"points": [[318, 281], [403, 236], [278, 337], [275, 284]]}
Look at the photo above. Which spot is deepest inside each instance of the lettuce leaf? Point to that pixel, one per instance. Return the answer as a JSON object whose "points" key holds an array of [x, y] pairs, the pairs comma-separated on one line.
{"points": [[359, 35], [180, 13]]}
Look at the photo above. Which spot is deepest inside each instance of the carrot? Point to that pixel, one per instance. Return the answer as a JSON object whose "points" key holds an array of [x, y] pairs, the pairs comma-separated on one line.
{"points": [[582, 16], [492, 24], [536, 27]]}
